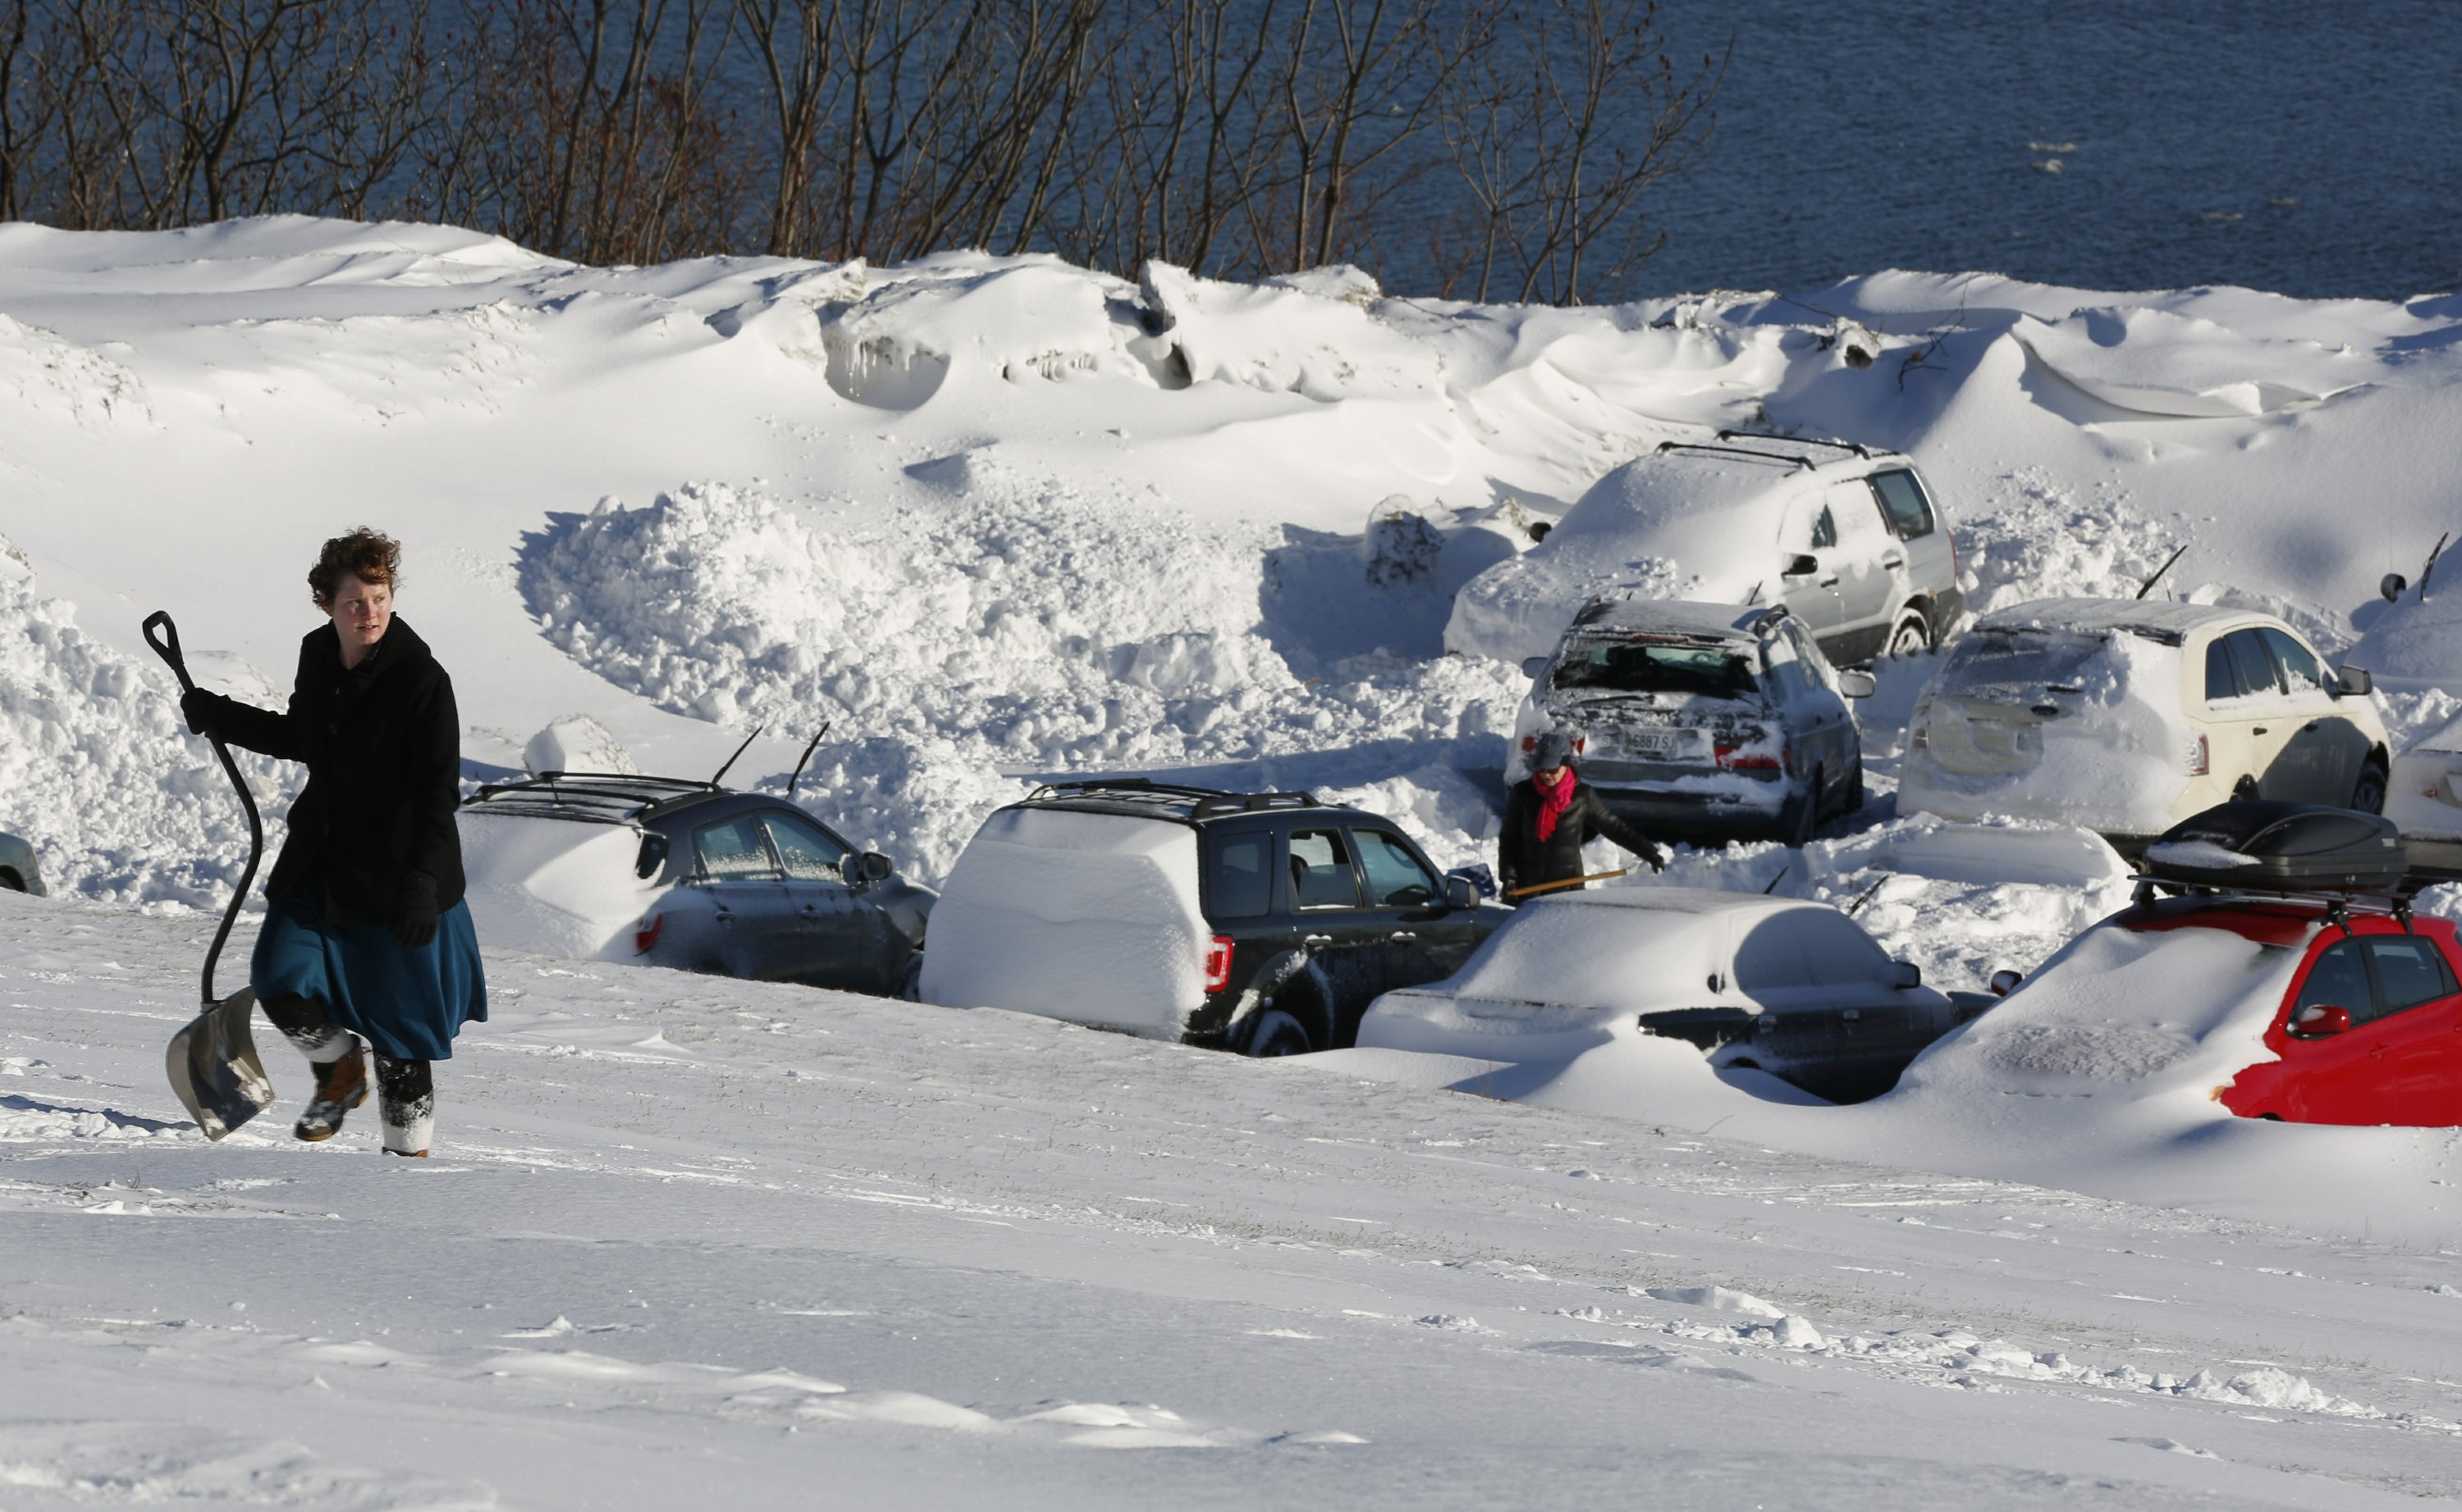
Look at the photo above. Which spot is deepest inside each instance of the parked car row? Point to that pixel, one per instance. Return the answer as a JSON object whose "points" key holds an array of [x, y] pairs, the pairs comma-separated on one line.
{"points": [[1272, 923]]}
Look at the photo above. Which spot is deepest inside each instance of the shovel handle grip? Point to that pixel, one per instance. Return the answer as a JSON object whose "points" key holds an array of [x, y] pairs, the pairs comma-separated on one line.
{"points": [[166, 644]]}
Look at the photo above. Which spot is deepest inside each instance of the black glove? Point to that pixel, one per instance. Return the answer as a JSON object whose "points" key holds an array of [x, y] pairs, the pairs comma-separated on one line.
{"points": [[197, 706], [1657, 857], [414, 919]]}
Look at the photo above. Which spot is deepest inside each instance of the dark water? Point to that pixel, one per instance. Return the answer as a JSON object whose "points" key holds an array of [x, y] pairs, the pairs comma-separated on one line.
{"points": [[2312, 147]]}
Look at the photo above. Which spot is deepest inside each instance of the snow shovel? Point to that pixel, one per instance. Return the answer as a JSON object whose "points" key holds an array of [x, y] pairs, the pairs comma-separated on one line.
{"points": [[1535, 888], [212, 1063]]}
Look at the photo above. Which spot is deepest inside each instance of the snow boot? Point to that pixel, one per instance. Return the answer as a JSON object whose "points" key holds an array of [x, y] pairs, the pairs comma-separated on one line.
{"points": [[342, 1085], [406, 1100]]}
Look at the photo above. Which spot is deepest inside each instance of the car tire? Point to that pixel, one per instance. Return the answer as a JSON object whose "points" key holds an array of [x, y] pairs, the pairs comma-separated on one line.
{"points": [[1273, 1033], [1912, 634], [2369, 796], [11, 882]]}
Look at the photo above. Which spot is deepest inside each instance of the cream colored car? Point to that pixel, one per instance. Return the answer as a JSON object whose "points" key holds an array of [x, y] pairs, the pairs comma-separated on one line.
{"points": [[2125, 717]]}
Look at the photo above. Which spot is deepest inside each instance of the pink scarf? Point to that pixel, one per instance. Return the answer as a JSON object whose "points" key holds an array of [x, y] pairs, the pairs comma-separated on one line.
{"points": [[1553, 802]]}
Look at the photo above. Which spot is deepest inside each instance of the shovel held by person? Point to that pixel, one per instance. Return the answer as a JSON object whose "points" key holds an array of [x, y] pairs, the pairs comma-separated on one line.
{"points": [[212, 1062]]}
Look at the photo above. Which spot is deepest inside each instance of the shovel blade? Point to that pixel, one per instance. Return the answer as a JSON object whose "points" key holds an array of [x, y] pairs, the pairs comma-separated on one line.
{"points": [[213, 1067]]}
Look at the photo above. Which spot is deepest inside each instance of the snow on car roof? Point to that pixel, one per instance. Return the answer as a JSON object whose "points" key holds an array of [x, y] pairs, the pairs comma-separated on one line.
{"points": [[1722, 491], [1723, 622], [2163, 618], [1672, 900]]}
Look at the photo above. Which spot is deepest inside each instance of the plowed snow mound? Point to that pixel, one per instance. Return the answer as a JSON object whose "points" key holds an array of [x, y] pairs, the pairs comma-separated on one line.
{"points": [[100, 774], [1019, 627]]}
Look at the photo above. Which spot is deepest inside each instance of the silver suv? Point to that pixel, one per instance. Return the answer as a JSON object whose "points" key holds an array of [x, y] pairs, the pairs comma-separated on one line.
{"points": [[1847, 537]]}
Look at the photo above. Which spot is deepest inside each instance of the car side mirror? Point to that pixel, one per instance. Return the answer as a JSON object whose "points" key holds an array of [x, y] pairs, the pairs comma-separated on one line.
{"points": [[1905, 974], [1858, 684], [2320, 1020], [2353, 681], [2005, 982], [1460, 892], [1533, 666], [2391, 584], [1800, 565], [869, 868], [653, 855]]}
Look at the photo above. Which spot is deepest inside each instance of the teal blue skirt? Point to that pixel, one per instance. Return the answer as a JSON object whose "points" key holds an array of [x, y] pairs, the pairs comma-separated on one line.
{"points": [[409, 1004]]}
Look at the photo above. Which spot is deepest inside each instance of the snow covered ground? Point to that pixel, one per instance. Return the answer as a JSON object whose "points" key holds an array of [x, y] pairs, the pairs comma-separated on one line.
{"points": [[693, 1239], [994, 518]]}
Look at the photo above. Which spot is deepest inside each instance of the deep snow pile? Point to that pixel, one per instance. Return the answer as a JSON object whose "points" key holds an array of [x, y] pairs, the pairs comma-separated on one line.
{"points": [[99, 772]]}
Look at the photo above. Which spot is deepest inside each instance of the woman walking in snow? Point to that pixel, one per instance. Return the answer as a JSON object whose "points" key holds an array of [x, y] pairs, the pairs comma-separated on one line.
{"points": [[1549, 816], [367, 941]]}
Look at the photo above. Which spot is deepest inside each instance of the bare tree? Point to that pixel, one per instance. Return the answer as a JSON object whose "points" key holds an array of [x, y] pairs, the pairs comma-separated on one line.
{"points": [[1563, 114]]}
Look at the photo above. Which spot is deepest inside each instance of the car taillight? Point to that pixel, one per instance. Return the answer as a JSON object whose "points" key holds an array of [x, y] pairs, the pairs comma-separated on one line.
{"points": [[1217, 963], [1756, 761], [646, 936], [1529, 744], [2198, 764]]}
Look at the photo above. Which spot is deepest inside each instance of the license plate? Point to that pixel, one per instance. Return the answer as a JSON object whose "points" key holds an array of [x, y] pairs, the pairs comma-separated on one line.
{"points": [[1654, 745]]}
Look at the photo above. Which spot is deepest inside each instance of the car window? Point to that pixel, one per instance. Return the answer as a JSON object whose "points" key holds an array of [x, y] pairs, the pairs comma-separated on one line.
{"points": [[1815, 667], [1636, 666], [1835, 950], [732, 850], [1902, 500], [1396, 878], [2019, 662], [2257, 669], [1824, 530], [2300, 670], [1858, 517], [1321, 874], [1240, 883], [2338, 979], [809, 851], [2222, 673], [2412, 971], [1770, 956]]}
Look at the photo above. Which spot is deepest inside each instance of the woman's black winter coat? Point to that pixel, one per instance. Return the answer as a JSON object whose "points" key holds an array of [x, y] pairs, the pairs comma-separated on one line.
{"points": [[382, 744], [1524, 860]]}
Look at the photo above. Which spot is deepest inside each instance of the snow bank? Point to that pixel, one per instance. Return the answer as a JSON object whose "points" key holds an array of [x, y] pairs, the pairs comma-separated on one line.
{"points": [[1027, 625], [98, 772]]}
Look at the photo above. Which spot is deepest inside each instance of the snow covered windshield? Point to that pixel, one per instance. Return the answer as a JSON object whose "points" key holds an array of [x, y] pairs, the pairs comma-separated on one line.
{"points": [[1654, 666], [2020, 661]]}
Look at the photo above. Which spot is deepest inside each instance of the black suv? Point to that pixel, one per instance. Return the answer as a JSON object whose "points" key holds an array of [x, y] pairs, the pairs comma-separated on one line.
{"points": [[1264, 923]]}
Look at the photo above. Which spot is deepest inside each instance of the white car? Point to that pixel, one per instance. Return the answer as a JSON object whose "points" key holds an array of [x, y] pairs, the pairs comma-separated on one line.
{"points": [[1847, 537], [1778, 985], [1703, 722], [2425, 803], [2125, 716]]}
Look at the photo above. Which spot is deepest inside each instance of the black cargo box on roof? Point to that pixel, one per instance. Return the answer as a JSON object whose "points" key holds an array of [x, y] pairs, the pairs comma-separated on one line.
{"points": [[2266, 844]]}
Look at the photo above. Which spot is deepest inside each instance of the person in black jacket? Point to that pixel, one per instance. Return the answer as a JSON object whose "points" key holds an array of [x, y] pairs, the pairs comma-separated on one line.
{"points": [[1549, 816], [366, 937]]}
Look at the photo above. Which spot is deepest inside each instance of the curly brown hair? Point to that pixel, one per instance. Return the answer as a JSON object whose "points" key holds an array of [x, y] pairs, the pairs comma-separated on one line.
{"points": [[368, 555]]}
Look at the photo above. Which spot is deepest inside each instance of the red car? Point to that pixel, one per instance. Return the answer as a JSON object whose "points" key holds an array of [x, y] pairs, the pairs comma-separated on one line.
{"points": [[2371, 1030]]}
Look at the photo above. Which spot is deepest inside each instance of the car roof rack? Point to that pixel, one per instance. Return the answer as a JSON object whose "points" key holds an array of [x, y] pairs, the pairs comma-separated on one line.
{"points": [[598, 798], [1856, 447], [2338, 902], [1804, 462], [1135, 793]]}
